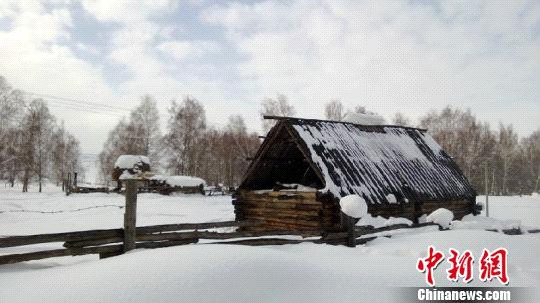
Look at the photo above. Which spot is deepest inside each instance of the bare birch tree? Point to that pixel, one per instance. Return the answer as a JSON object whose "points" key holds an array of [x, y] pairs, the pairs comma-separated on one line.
{"points": [[185, 130], [275, 107], [334, 110]]}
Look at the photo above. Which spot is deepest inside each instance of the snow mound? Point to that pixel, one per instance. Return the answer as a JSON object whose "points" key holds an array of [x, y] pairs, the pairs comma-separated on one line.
{"points": [[129, 161], [353, 206], [378, 222], [391, 198], [441, 216], [394, 221], [480, 222], [184, 181], [364, 119]]}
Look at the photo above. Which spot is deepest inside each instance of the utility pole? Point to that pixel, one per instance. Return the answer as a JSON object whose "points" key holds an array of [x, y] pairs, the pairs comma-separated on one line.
{"points": [[487, 188]]}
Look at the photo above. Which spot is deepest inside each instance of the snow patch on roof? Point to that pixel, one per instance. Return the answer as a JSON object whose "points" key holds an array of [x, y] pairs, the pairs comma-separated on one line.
{"points": [[184, 181], [391, 198], [364, 119]]}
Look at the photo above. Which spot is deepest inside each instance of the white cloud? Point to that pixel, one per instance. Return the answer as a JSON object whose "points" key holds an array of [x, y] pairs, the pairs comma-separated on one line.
{"points": [[181, 50], [144, 47], [389, 56], [36, 59], [392, 56], [128, 10]]}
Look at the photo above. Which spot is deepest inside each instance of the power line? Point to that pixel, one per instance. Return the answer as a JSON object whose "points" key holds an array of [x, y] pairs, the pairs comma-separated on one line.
{"points": [[100, 108], [79, 101]]}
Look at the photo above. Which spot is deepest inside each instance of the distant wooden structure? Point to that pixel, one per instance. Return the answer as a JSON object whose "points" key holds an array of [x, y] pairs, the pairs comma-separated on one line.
{"points": [[399, 171], [130, 165], [167, 185], [137, 167]]}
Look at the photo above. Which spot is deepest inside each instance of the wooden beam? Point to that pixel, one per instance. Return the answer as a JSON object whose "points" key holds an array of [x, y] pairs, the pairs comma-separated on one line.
{"points": [[59, 237], [110, 233], [9, 259], [272, 117], [104, 251], [194, 226]]}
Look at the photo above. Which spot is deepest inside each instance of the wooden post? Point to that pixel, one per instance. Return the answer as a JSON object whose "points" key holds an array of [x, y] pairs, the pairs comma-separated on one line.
{"points": [[68, 184], [348, 223], [130, 216]]}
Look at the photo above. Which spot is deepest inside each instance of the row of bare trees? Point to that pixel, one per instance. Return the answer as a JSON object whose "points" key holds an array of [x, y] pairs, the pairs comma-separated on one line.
{"points": [[189, 147], [33, 146], [496, 161]]}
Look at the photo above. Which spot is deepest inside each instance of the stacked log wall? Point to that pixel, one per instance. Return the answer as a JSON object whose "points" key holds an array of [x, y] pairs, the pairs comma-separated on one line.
{"points": [[316, 211], [460, 208], [283, 210]]}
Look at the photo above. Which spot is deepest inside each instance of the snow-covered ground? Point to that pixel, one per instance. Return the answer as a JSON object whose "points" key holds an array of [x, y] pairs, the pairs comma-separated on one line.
{"points": [[229, 273], [525, 208]]}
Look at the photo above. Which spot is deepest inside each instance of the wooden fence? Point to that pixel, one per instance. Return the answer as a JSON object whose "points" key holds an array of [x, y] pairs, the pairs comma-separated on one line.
{"points": [[112, 242]]}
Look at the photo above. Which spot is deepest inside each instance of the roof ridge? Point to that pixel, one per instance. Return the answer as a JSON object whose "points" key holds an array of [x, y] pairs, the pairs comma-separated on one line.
{"points": [[341, 122]]}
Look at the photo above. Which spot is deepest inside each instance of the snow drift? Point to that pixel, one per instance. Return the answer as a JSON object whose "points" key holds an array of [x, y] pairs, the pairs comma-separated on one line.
{"points": [[441, 216]]}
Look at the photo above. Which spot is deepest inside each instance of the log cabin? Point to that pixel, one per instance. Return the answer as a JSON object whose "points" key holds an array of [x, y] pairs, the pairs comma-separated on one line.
{"points": [[304, 166]]}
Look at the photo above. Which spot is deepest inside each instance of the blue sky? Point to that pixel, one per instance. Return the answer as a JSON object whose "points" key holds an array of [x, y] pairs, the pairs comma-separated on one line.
{"points": [[390, 56]]}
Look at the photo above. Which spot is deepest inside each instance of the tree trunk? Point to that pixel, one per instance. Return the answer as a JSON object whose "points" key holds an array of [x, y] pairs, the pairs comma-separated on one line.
{"points": [[25, 181]]}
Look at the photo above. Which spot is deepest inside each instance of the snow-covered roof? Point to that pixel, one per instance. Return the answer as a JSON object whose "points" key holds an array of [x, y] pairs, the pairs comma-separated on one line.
{"points": [[184, 181], [364, 119], [129, 161], [373, 161]]}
